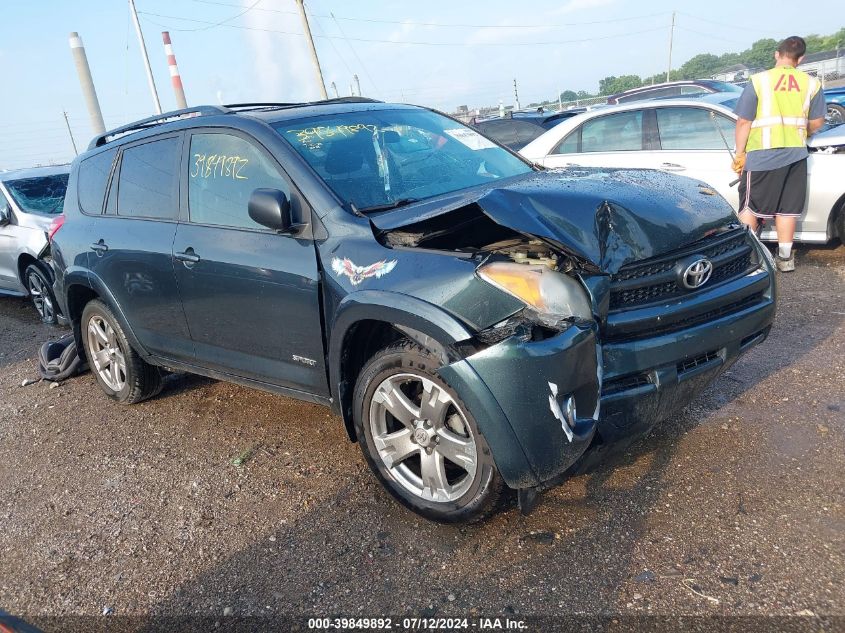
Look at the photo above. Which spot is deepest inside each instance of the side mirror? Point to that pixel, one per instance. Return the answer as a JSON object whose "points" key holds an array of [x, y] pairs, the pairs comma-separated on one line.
{"points": [[5, 214], [271, 208]]}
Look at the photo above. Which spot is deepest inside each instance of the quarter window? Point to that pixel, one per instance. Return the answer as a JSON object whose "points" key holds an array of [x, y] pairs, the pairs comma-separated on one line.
{"points": [[613, 133], [692, 128], [148, 177], [224, 170], [92, 178], [569, 145]]}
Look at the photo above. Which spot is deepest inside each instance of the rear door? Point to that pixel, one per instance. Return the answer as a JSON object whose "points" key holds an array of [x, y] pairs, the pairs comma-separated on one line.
{"points": [[251, 295], [691, 144], [131, 248]]}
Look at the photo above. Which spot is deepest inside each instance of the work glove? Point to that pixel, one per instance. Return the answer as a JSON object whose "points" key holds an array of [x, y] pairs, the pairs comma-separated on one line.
{"points": [[738, 163]]}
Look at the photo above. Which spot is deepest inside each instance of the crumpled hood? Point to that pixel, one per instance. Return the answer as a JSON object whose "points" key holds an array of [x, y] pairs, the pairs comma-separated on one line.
{"points": [[610, 217]]}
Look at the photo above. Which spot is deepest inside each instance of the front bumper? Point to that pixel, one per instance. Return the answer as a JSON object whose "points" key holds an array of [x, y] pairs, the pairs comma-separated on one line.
{"points": [[638, 381]]}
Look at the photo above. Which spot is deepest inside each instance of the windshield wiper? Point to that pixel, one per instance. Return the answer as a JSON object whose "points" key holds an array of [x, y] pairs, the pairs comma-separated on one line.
{"points": [[390, 205]]}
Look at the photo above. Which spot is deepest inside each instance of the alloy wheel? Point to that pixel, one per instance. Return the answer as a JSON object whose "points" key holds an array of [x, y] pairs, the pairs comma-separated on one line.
{"points": [[422, 438], [107, 357], [40, 297]]}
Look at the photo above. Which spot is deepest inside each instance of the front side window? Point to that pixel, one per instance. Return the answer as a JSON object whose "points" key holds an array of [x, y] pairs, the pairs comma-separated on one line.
{"points": [[148, 179], [43, 195], [91, 181], [613, 133], [224, 170], [383, 158], [692, 128]]}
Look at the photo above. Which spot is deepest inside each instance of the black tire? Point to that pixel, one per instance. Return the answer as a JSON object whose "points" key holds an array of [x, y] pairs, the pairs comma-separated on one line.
{"points": [[39, 285], [486, 491], [143, 380], [835, 113]]}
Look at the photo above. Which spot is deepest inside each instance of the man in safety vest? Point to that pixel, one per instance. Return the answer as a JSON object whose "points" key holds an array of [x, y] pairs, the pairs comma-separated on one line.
{"points": [[777, 110]]}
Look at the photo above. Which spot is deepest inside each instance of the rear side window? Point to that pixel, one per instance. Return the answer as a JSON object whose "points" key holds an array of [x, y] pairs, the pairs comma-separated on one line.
{"points": [[148, 180], [613, 133], [92, 178], [223, 172], [569, 145], [692, 128]]}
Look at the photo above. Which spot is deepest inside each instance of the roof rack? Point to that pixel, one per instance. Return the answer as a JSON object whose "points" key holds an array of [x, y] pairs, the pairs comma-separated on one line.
{"points": [[282, 106], [175, 115], [158, 119]]}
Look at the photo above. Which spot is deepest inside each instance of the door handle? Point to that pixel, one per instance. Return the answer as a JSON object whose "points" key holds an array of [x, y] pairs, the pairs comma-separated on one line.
{"points": [[672, 167], [99, 247], [187, 257]]}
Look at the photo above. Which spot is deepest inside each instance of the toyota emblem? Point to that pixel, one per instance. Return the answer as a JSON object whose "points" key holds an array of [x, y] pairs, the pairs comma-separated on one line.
{"points": [[697, 273]]}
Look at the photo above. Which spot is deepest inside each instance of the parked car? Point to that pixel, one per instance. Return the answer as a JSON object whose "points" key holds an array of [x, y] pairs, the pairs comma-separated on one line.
{"points": [[478, 324], [835, 99], [30, 199], [691, 137], [673, 89], [517, 129]]}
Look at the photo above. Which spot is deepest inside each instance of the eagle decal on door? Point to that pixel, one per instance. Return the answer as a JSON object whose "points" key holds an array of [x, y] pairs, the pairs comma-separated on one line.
{"points": [[357, 274]]}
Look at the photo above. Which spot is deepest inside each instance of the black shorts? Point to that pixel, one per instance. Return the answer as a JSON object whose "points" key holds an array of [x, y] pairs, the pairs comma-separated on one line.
{"points": [[781, 191]]}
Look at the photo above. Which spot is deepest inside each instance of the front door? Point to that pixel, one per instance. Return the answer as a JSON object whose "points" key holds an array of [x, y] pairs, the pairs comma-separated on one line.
{"points": [[9, 247], [251, 295]]}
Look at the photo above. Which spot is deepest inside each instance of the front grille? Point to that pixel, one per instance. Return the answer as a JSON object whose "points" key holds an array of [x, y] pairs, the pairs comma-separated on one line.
{"points": [[650, 282]]}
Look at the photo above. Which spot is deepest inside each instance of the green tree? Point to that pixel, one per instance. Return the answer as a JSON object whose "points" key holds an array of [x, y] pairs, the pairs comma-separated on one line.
{"points": [[700, 67], [613, 84], [761, 54], [568, 95]]}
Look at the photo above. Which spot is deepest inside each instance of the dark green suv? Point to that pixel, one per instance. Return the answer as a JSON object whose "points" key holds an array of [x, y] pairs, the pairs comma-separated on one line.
{"points": [[478, 323]]}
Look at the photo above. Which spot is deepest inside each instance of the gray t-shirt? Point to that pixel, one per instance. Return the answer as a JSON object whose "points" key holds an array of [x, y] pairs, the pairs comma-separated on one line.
{"points": [[768, 159]]}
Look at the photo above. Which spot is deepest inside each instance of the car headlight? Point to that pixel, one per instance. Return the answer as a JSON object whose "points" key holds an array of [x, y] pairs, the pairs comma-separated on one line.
{"points": [[546, 291]]}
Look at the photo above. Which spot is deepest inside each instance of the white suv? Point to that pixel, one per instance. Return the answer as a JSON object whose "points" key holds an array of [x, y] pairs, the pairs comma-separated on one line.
{"points": [[30, 201]]}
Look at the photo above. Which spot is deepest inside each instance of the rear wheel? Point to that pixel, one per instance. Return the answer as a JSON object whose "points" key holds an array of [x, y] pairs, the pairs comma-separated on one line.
{"points": [[120, 371], [421, 440], [40, 290]]}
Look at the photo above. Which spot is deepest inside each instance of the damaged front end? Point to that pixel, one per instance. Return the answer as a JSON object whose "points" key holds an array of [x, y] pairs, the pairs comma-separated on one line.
{"points": [[607, 341]]}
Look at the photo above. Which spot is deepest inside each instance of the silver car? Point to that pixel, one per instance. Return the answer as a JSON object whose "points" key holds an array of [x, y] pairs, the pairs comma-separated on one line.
{"points": [[30, 199], [690, 137]]}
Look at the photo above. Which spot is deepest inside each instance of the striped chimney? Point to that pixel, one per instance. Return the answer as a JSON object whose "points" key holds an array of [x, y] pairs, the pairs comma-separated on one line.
{"points": [[175, 78]]}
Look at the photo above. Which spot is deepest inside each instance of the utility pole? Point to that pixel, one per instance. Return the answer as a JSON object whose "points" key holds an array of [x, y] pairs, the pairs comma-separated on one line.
{"points": [[671, 37], [150, 80], [334, 88], [87, 83], [357, 84], [305, 27], [559, 100], [175, 77], [515, 95], [72, 141]]}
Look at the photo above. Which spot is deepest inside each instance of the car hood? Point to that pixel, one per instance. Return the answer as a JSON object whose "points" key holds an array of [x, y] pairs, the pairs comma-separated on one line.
{"points": [[832, 136], [607, 217]]}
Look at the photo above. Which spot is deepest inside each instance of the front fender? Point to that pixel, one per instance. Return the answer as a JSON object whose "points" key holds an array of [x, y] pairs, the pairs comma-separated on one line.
{"points": [[396, 309]]}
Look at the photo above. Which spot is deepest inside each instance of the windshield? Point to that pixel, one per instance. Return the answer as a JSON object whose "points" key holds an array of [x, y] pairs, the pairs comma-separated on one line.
{"points": [[385, 158], [44, 195]]}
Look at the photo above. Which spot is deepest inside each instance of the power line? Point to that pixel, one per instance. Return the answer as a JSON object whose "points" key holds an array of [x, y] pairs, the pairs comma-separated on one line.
{"points": [[403, 42], [707, 35], [739, 27], [354, 52], [450, 24], [222, 22]]}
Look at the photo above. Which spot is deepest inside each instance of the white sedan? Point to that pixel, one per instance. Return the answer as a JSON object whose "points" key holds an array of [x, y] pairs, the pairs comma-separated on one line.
{"points": [[690, 137]]}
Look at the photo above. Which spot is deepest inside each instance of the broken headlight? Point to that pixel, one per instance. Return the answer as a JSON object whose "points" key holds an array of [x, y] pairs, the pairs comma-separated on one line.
{"points": [[550, 293]]}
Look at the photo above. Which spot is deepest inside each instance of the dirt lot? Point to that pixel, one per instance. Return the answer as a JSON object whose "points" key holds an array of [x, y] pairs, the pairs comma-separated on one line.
{"points": [[734, 507]]}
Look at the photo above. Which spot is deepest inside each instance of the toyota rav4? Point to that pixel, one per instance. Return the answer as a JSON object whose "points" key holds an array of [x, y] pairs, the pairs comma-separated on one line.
{"points": [[478, 323]]}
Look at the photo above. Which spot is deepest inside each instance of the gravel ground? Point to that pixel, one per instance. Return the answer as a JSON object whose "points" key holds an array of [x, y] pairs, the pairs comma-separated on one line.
{"points": [[734, 507]]}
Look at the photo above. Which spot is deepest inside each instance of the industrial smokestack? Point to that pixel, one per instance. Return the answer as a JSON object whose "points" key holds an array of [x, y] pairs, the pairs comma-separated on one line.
{"points": [[87, 83], [175, 77]]}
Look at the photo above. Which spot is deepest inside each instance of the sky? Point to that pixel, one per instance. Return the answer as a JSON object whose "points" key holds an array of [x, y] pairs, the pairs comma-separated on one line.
{"points": [[438, 53]]}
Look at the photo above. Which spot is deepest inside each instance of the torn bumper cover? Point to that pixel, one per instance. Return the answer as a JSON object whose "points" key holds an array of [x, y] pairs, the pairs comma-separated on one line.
{"points": [[518, 391]]}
